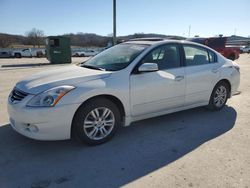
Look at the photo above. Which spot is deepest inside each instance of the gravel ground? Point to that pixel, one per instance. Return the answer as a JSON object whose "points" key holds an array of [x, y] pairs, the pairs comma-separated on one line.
{"points": [[193, 148]]}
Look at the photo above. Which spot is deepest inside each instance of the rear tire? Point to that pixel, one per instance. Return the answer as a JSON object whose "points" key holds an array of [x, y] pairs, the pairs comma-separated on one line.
{"points": [[96, 121], [17, 55], [219, 96], [39, 54]]}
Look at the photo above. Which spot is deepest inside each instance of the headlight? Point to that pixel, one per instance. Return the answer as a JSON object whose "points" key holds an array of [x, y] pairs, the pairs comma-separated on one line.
{"points": [[50, 97]]}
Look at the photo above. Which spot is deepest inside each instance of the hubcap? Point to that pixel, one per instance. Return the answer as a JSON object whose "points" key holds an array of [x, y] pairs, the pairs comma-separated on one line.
{"points": [[220, 96], [99, 123]]}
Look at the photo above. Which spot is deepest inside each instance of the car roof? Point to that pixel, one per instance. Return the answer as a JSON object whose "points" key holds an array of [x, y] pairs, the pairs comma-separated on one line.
{"points": [[160, 41], [155, 41]]}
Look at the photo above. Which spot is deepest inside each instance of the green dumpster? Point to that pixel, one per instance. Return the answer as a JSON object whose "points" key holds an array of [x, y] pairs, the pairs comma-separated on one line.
{"points": [[58, 49]]}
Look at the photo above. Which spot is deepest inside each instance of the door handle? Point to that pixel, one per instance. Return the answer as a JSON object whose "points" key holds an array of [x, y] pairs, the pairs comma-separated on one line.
{"points": [[214, 70], [179, 78]]}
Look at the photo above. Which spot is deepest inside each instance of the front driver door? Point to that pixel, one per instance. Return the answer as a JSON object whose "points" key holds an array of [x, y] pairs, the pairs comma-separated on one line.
{"points": [[152, 92]]}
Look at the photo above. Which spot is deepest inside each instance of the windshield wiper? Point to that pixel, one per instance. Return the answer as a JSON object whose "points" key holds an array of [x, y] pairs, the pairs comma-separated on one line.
{"points": [[92, 67]]}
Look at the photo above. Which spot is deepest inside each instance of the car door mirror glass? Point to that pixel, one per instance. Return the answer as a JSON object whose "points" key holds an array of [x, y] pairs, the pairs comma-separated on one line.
{"points": [[148, 67]]}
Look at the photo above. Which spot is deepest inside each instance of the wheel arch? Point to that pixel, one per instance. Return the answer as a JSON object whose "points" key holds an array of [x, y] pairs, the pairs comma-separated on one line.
{"points": [[225, 80], [110, 97], [17, 54], [232, 56]]}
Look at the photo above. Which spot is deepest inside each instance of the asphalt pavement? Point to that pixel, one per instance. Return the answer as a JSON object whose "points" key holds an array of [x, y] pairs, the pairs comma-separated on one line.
{"points": [[192, 148]]}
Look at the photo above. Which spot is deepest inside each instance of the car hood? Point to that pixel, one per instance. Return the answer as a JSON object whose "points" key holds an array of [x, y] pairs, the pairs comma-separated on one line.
{"points": [[68, 75]]}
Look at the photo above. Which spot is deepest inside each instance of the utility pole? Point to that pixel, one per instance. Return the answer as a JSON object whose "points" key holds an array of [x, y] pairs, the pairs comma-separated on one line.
{"points": [[114, 23], [189, 29]]}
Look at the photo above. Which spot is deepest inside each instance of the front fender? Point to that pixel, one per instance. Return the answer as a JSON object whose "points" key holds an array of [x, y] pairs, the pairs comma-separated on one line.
{"points": [[90, 89]]}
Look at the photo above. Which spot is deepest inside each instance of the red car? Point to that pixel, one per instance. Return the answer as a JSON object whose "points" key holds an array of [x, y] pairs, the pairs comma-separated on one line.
{"points": [[219, 44]]}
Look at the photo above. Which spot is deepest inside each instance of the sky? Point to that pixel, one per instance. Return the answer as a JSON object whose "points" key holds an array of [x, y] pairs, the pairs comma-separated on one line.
{"points": [[170, 17]]}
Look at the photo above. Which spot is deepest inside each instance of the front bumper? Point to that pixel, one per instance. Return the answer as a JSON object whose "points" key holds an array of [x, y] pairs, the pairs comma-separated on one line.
{"points": [[43, 123]]}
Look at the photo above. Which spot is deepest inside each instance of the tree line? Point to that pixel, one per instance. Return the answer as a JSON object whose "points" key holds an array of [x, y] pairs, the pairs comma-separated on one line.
{"points": [[36, 38]]}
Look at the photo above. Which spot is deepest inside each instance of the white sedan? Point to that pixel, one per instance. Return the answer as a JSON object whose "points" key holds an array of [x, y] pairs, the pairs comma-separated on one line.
{"points": [[131, 81]]}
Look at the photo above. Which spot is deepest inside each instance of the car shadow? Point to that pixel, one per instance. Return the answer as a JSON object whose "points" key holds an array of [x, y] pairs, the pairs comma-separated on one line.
{"points": [[134, 152], [26, 65]]}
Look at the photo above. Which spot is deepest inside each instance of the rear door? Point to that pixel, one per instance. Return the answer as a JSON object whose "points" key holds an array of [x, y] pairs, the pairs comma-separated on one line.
{"points": [[202, 73]]}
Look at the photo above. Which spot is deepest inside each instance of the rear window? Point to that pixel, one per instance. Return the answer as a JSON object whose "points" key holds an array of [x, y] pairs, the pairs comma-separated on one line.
{"points": [[195, 55], [216, 42]]}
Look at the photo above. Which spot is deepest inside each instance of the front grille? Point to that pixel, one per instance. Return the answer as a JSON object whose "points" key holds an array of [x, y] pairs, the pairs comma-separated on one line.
{"points": [[17, 95]]}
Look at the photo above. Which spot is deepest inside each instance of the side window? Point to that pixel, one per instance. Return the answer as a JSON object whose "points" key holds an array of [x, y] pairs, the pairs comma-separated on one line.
{"points": [[54, 42], [195, 55], [157, 54], [166, 57], [212, 57]]}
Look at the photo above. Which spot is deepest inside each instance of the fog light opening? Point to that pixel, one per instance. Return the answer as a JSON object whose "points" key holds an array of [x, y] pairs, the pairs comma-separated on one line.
{"points": [[32, 128]]}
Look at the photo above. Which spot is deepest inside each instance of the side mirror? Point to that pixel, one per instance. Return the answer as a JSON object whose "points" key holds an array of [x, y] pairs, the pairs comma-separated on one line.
{"points": [[148, 67]]}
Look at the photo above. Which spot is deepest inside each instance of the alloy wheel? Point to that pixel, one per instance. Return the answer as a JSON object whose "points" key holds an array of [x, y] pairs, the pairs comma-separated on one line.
{"points": [[99, 123], [220, 96]]}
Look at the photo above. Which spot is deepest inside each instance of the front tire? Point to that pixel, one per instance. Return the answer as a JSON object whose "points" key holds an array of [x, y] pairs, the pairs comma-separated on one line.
{"points": [[219, 96], [96, 121]]}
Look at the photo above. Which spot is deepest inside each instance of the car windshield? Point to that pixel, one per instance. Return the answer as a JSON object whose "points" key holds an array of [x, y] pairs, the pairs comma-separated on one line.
{"points": [[115, 58]]}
